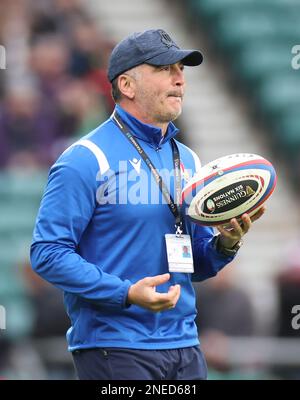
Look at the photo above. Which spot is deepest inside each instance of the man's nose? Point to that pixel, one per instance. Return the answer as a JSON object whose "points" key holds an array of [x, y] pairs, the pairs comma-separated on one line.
{"points": [[179, 76]]}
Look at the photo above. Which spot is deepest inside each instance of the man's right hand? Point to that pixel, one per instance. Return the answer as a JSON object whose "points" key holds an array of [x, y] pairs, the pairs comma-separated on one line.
{"points": [[143, 293]]}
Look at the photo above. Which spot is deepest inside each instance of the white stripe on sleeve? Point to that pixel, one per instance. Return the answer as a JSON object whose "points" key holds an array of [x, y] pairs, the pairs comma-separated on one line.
{"points": [[98, 153]]}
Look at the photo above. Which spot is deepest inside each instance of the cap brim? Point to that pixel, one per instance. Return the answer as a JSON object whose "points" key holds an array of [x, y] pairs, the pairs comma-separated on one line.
{"points": [[191, 58]]}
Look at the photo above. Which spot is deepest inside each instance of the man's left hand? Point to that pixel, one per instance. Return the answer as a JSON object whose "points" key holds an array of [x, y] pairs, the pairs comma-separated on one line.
{"points": [[234, 233]]}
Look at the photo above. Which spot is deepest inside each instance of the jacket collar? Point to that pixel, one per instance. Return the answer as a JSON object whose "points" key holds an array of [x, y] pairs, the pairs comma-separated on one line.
{"points": [[148, 133]]}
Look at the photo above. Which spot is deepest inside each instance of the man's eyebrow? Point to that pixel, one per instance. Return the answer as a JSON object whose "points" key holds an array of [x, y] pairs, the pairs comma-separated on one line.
{"points": [[159, 66], [166, 65]]}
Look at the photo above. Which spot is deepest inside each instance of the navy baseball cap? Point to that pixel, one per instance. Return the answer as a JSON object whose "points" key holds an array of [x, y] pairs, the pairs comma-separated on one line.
{"points": [[154, 47]]}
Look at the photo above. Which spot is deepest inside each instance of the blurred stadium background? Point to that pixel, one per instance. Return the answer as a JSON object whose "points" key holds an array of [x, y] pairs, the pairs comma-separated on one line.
{"points": [[244, 98]]}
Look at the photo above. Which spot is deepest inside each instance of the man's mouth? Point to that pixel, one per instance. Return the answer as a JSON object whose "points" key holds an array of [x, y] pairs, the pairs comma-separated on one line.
{"points": [[176, 95]]}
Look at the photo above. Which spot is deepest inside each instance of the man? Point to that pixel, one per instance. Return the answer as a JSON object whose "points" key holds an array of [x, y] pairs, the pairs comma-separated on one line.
{"points": [[100, 233], [185, 252]]}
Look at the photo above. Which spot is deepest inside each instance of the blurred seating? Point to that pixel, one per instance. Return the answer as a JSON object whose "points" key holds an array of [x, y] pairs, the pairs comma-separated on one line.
{"points": [[279, 99], [255, 38], [55, 85], [258, 60], [20, 194]]}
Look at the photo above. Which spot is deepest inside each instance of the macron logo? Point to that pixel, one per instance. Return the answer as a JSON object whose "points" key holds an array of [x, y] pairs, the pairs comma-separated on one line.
{"points": [[136, 164]]}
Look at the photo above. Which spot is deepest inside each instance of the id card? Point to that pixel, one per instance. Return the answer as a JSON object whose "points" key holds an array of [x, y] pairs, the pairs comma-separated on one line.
{"points": [[179, 251]]}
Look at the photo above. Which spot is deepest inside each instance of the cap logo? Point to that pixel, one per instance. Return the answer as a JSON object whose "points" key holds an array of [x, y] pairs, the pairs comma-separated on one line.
{"points": [[166, 39]]}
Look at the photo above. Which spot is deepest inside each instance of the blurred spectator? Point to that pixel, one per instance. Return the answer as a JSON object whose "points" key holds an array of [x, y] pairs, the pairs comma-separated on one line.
{"points": [[80, 102], [89, 58], [28, 126], [87, 45], [55, 16], [288, 286], [50, 324], [225, 311], [224, 307], [58, 89], [49, 64], [5, 350], [50, 317]]}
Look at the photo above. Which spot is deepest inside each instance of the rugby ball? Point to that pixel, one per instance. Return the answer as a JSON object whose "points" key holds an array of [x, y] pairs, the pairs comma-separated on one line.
{"points": [[227, 188]]}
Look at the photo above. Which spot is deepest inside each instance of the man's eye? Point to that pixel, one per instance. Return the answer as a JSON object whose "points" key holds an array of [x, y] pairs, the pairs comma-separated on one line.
{"points": [[165, 67]]}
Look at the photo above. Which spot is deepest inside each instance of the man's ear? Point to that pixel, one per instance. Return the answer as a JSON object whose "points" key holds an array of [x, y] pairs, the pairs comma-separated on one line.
{"points": [[126, 86]]}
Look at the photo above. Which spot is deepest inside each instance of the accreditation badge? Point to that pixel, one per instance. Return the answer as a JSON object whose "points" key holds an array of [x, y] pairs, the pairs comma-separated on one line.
{"points": [[179, 252]]}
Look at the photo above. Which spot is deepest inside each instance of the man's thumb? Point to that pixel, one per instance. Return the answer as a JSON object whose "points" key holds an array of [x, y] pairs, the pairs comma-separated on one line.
{"points": [[159, 279]]}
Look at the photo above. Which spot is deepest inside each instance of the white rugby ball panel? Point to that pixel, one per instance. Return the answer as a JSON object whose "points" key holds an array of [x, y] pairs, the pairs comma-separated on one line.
{"points": [[224, 199], [228, 187]]}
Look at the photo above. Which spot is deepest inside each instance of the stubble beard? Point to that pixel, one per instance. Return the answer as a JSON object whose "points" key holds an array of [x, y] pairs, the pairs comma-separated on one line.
{"points": [[156, 111], [160, 114], [168, 116]]}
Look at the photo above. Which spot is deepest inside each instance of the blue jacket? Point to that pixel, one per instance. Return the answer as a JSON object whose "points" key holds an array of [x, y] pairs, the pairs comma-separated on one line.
{"points": [[101, 227]]}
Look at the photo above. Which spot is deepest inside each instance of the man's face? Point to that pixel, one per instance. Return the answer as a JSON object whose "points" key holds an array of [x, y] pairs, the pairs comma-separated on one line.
{"points": [[159, 91]]}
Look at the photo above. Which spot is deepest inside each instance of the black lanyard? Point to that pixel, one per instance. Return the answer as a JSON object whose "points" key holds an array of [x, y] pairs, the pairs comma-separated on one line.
{"points": [[174, 207]]}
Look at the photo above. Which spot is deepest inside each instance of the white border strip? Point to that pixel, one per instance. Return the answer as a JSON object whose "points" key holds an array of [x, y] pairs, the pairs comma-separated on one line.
{"points": [[98, 153]]}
